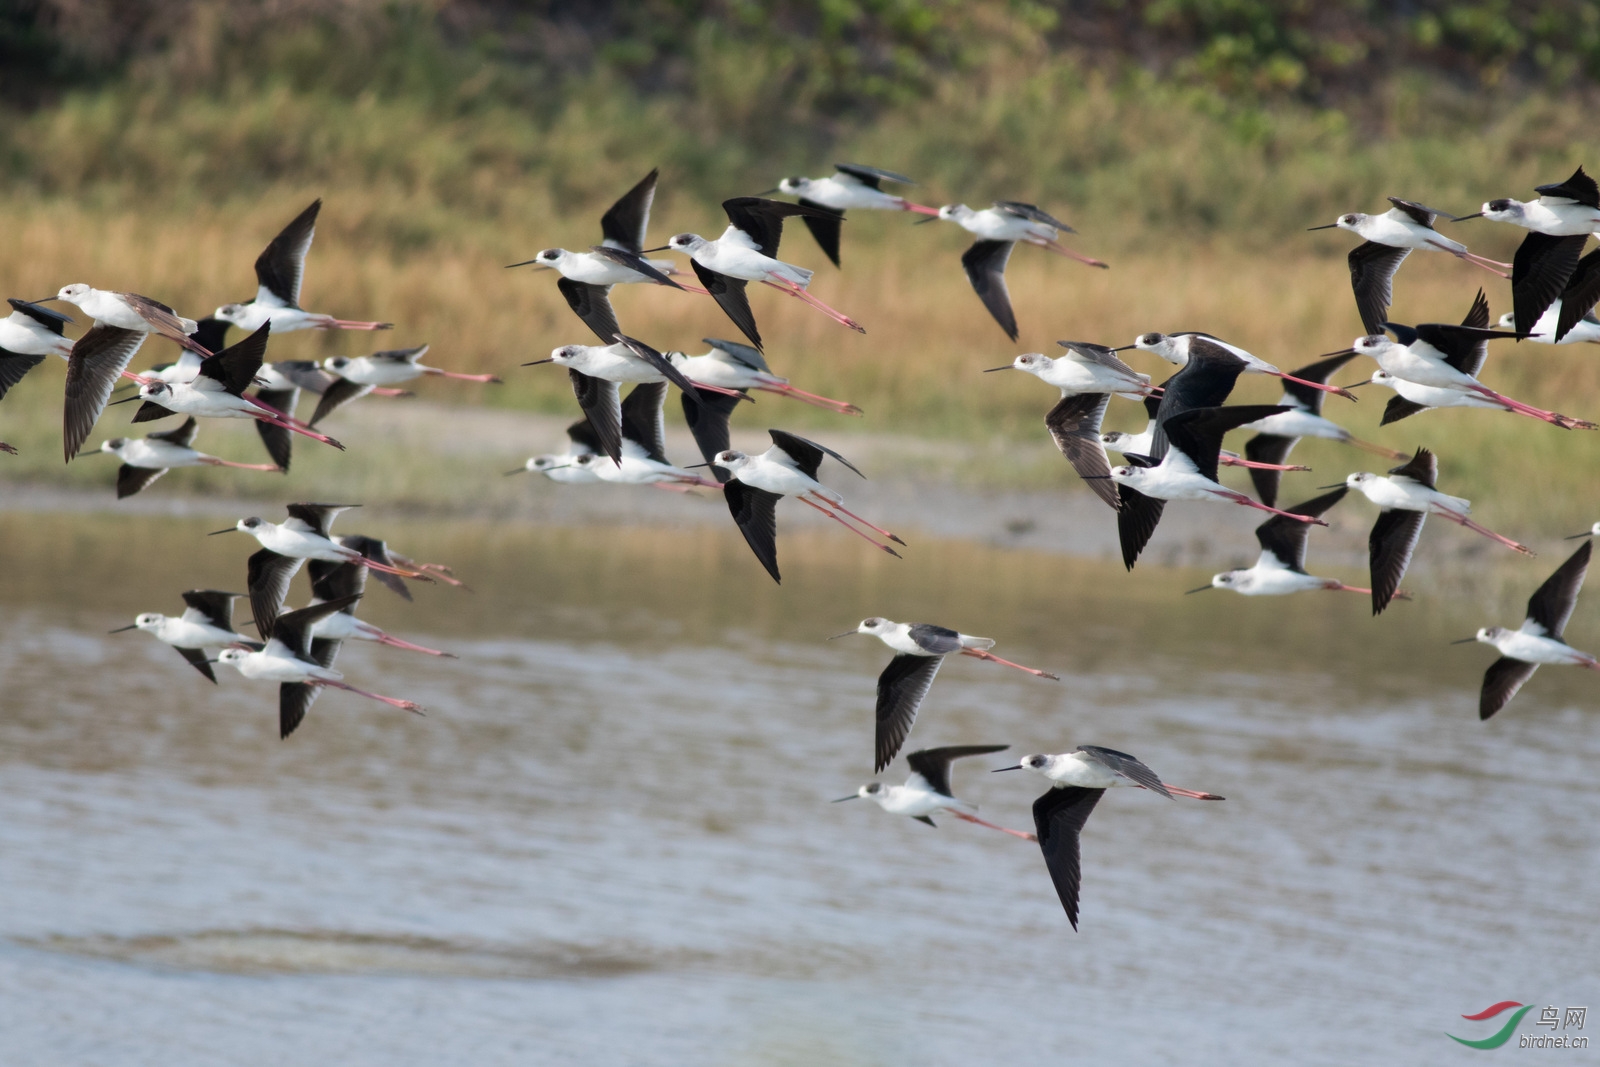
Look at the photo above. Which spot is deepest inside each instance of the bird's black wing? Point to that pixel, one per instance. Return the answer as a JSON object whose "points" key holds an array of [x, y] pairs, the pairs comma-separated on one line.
{"points": [[1074, 423], [1581, 294], [634, 262], [214, 604], [294, 700], [901, 688], [937, 639], [642, 421], [807, 454], [750, 357], [1198, 432], [183, 436], [1128, 767], [1552, 603], [756, 513], [1268, 448], [1105, 357], [582, 434], [277, 439], [335, 581], [662, 365], [97, 360], [1033, 213], [593, 306], [1539, 272], [269, 575], [378, 552], [762, 219], [1320, 371], [150, 411], [1137, 516], [1372, 268], [708, 422], [282, 264], [625, 223], [317, 516], [1501, 682], [731, 298], [294, 628], [985, 264], [131, 479], [336, 396], [324, 651], [211, 334], [236, 367], [825, 227], [1422, 468], [49, 318], [599, 401], [1203, 382], [871, 175], [197, 659], [1389, 547], [934, 763], [1421, 213], [162, 320], [1399, 408], [1058, 816], [13, 366], [1286, 538], [1580, 188]]}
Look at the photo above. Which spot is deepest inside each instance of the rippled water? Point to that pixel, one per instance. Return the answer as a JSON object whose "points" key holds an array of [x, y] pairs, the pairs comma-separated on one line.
{"points": [[610, 842]]}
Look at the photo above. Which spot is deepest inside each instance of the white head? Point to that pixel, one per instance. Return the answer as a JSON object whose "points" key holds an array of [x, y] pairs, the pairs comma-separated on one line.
{"points": [[1490, 634], [150, 621], [1168, 348], [114, 446], [1039, 763], [1239, 579], [156, 390], [234, 313], [1508, 321], [731, 460], [1128, 475], [550, 257], [1506, 210], [685, 242], [1351, 222], [566, 354], [233, 655], [336, 364], [1116, 440], [1033, 362], [874, 626], [1372, 345], [794, 185], [251, 525], [1383, 378], [955, 212], [73, 293], [1359, 479]]}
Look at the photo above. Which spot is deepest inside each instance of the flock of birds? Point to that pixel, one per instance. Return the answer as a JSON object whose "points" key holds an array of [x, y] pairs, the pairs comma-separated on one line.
{"points": [[620, 439]]}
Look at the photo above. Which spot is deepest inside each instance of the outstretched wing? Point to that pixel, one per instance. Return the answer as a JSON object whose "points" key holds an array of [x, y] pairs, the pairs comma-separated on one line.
{"points": [[1501, 682], [269, 575], [1074, 423], [591, 304], [236, 367], [708, 422], [901, 688], [282, 264], [1539, 272], [1389, 547], [762, 219], [1120, 763], [599, 400], [1372, 268], [1551, 604], [97, 360], [1058, 816], [1198, 432], [624, 224], [731, 298], [642, 421], [825, 227], [985, 264], [1285, 538], [1422, 468], [1580, 295], [294, 700], [934, 763], [336, 396], [13, 366], [807, 454], [756, 513], [1268, 448], [131, 480]]}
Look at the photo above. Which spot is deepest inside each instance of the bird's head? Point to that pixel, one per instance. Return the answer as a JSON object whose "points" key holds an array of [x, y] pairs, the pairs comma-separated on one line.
{"points": [[336, 364], [150, 620], [793, 185], [954, 212], [1383, 378], [1490, 634], [230, 313], [233, 655], [1127, 474], [685, 242], [73, 293], [1372, 346], [114, 446], [155, 390], [566, 354], [1504, 210], [550, 257], [731, 460], [1359, 479], [1116, 439]]}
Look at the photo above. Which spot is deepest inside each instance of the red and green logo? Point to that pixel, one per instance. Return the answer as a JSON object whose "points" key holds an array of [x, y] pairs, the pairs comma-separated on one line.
{"points": [[1501, 1036]]}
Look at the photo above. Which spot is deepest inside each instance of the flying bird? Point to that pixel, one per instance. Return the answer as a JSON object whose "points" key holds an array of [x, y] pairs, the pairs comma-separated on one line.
{"points": [[130, 311], [927, 790], [735, 366], [206, 624], [1281, 567], [144, 459], [851, 185]]}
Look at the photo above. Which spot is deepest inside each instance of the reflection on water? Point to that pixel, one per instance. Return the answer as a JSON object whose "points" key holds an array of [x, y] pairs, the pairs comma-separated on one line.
{"points": [[609, 840]]}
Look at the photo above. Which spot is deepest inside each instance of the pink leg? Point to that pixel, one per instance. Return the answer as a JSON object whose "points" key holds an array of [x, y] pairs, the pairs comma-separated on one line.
{"points": [[1326, 388], [1493, 266], [1235, 461], [395, 642], [314, 435], [1377, 450], [920, 209], [673, 487], [837, 316], [331, 323], [393, 702], [979, 653], [695, 289], [1240, 498], [1062, 250], [213, 461], [487, 379], [1338, 586], [441, 572], [401, 571], [1462, 520], [1566, 422], [995, 826], [1175, 791], [385, 391], [864, 522], [717, 389], [847, 526], [811, 398]]}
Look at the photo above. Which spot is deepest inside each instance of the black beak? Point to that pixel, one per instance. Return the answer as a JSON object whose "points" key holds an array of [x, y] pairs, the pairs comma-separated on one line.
{"points": [[1341, 352], [230, 529], [124, 400], [1357, 385], [519, 470], [1008, 366], [1202, 589], [925, 220], [1013, 767], [647, 251], [1329, 226], [1574, 537], [1124, 348], [692, 466], [1335, 485], [1464, 218], [1464, 641], [120, 629], [847, 633], [536, 362], [524, 263], [769, 192], [841, 800]]}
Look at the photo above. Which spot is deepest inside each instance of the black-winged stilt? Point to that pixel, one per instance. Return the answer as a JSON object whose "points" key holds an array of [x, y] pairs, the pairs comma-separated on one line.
{"points": [[130, 311], [144, 459], [927, 790], [735, 366], [1281, 568], [851, 185], [344, 583], [206, 623]]}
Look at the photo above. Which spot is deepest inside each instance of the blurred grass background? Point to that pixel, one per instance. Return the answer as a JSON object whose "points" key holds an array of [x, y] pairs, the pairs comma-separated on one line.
{"points": [[157, 147]]}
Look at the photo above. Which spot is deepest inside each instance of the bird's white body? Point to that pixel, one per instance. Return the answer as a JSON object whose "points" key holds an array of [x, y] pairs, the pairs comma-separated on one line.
{"points": [[1298, 423], [775, 472], [189, 630], [1174, 478], [186, 369], [1397, 229], [726, 373], [343, 626], [636, 468], [267, 307], [1174, 348], [564, 468], [1404, 494], [1585, 329], [1556, 216], [1073, 374], [152, 453], [276, 662], [1435, 396], [737, 256], [614, 363], [591, 268], [916, 798], [1077, 769], [295, 539], [1530, 645], [111, 309], [26, 336], [1270, 577], [202, 397], [1419, 363], [364, 370], [1138, 444], [897, 635], [841, 192], [992, 224]]}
